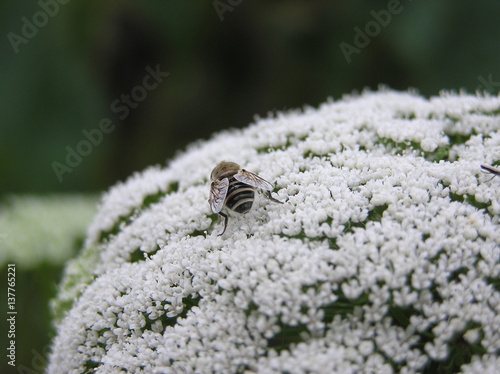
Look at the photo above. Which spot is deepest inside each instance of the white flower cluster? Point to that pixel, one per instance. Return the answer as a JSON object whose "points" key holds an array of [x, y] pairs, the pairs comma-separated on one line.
{"points": [[385, 257], [37, 229]]}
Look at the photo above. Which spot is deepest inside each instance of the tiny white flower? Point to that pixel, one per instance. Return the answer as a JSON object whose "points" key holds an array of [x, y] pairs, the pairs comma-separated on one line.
{"points": [[366, 347], [472, 336]]}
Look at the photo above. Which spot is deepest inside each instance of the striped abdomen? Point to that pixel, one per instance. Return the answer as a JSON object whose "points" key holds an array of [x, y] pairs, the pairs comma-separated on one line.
{"points": [[240, 196]]}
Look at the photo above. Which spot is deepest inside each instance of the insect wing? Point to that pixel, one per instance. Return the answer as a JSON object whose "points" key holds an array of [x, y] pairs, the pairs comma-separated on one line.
{"points": [[253, 180], [218, 192]]}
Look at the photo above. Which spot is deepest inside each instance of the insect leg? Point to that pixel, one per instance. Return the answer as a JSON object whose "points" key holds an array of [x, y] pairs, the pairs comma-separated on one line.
{"points": [[226, 219], [272, 198], [491, 170]]}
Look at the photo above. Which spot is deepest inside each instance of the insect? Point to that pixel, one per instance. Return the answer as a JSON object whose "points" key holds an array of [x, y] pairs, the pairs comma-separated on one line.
{"points": [[234, 188], [492, 170]]}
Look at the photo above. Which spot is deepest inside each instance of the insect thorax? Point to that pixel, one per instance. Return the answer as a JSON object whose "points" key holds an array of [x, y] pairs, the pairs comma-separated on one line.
{"points": [[240, 196]]}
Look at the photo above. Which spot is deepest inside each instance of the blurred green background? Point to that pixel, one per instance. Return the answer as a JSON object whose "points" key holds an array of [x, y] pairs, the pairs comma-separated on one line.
{"points": [[227, 61]]}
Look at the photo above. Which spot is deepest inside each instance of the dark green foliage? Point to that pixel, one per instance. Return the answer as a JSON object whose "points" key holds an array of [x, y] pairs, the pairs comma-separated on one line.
{"points": [[137, 256], [470, 199], [342, 307], [153, 199], [198, 233], [189, 303], [90, 366], [402, 148], [401, 315], [290, 140], [495, 282], [454, 275], [107, 235], [461, 353], [374, 215], [332, 243], [287, 336]]}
